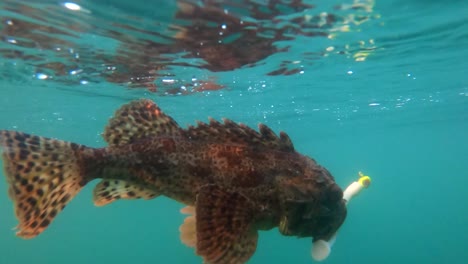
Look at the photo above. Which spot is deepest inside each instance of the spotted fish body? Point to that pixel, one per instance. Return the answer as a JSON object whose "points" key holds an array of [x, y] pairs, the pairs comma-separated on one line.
{"points": [[234, 179]]}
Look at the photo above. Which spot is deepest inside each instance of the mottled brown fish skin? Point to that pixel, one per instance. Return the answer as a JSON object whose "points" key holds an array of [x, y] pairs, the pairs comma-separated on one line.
{"points": [[237, 180], [281, 185]]}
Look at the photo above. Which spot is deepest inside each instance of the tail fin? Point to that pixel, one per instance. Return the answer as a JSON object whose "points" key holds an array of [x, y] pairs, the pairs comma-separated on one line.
{"points": [[43, 176]]}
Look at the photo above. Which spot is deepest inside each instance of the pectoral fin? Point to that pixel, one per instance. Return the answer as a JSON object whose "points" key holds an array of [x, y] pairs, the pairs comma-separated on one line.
{"points": [[224, 226]]}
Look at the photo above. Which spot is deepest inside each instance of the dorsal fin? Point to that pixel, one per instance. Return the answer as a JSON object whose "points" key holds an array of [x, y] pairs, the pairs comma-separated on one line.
{"points": [[138, 120], [230, 132]]}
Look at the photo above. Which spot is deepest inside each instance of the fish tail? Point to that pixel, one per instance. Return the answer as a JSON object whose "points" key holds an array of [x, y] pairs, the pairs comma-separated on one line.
{"points": [[43, 176]]}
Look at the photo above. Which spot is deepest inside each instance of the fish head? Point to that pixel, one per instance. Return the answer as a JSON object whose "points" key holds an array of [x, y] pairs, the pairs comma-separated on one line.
{"points": [[313, 206]]}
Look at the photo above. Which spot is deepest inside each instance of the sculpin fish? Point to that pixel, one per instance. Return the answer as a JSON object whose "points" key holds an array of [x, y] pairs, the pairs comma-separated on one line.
{"points": [[233, 179]]}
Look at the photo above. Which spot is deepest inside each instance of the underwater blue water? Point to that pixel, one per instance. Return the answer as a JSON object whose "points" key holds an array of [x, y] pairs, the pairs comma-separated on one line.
{"points": [[385, 92]]}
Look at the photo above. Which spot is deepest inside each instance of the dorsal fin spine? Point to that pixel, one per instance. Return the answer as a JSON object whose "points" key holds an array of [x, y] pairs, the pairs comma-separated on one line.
{"points": [[230, 132], [138, 120]]}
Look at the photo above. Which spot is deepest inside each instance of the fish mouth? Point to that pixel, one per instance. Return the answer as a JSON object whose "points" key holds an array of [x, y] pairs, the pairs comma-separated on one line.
{"points": [[331, 222]]}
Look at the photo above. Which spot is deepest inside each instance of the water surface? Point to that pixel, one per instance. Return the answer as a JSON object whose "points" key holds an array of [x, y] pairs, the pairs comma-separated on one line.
{"points": [[377, 86]]}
